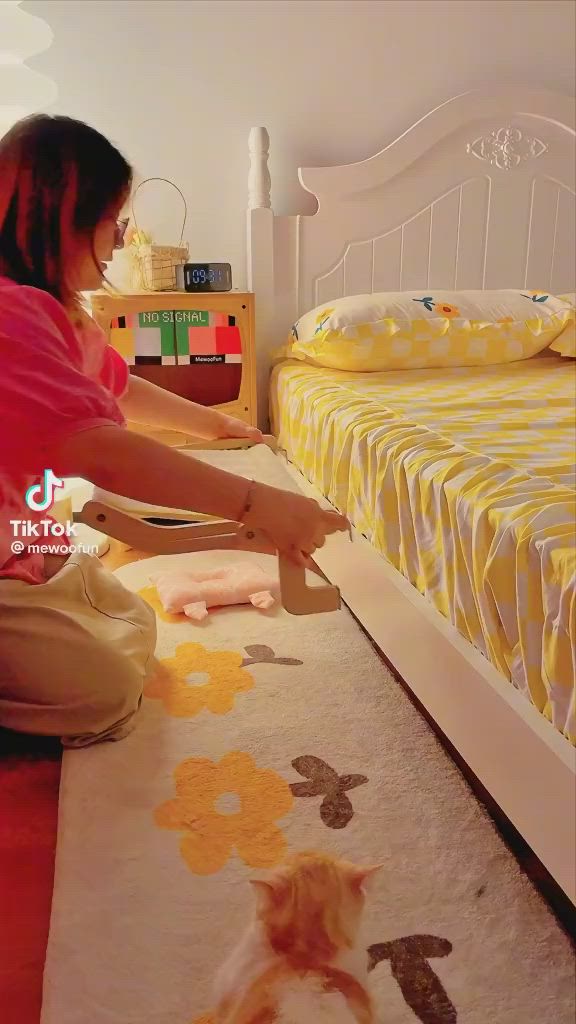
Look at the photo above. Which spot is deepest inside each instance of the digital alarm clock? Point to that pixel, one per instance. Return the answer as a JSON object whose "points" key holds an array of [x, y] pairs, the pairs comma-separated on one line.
{"points": [[204, 277]]}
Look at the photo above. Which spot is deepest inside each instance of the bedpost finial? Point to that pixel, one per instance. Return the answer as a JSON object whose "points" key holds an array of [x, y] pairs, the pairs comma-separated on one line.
{"points": [[259, 182]]}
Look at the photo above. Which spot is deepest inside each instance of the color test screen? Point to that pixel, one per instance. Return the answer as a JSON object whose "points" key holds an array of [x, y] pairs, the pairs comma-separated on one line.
{"points": [[192, 352]]}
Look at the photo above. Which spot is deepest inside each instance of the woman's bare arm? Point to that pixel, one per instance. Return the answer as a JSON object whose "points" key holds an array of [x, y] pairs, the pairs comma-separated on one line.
{"points": [[138, 467]]}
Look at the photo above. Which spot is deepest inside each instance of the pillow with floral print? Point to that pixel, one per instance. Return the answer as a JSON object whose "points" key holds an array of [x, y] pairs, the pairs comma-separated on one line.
{"points": [[565, 343], [428, 328]]}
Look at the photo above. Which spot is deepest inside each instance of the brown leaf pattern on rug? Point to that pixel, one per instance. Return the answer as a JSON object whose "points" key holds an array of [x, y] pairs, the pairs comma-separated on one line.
{"points": [[422, 990], [420, 986], [259, 654], [336, 809]]}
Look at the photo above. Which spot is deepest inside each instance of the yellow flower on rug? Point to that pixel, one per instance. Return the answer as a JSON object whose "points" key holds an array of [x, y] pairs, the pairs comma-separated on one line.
{"points": [[150, 595], [219, 678], [226, 806]]}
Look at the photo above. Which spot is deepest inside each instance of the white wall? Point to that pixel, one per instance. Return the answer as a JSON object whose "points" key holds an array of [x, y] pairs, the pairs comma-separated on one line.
{"points": [[178, 84]]}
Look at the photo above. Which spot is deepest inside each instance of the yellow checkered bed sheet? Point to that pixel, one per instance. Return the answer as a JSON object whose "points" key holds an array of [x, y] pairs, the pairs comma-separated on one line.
{"points": [[465, 480]]}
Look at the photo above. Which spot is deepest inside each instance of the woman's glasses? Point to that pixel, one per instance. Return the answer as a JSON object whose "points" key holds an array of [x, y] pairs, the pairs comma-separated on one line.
{"points": [[121, 226]]}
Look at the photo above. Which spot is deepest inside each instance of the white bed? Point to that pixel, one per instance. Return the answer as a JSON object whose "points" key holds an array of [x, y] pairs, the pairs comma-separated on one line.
{"points": [[480, 193]]}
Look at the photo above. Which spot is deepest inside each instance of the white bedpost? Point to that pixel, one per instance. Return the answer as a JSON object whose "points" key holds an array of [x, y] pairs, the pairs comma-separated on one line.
{"points": [[260, 258], [259, 181]]}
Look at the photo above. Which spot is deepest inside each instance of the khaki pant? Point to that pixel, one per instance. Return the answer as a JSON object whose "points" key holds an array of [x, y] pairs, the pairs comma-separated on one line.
{"points": [[74, 654]]}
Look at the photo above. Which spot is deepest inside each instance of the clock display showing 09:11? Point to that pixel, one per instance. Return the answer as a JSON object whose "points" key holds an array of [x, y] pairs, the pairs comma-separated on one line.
{"points": [[207, 277]]}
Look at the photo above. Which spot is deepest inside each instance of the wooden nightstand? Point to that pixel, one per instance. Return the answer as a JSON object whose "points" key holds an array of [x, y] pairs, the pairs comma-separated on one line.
{"points": [[196, 344]]}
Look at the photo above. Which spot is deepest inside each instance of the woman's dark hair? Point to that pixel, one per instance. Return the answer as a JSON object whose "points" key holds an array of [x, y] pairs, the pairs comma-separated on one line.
{"points": [[58, 179]]}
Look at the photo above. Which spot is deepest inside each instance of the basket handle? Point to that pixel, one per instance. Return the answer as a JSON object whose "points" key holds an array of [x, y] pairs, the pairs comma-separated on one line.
{"points": [[168, 182]]}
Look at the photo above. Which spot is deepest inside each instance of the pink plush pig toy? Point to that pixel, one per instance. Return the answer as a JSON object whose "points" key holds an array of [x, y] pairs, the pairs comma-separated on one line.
{"points": [[195, 592]]}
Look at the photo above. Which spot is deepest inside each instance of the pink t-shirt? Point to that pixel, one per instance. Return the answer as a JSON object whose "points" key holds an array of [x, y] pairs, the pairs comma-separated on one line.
{"points": [[55, 380]]}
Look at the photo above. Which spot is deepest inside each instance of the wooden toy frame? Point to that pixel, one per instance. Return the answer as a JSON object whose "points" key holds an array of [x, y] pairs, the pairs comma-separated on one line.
{"points": [[107, 305], [295, 594]]}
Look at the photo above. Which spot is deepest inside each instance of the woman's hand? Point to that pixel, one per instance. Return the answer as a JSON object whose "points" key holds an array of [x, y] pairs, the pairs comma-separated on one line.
{"points": [[297, 526], [232, 427], [146, 403]]}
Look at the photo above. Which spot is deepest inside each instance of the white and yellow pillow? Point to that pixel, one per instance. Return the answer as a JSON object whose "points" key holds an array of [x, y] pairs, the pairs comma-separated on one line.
{"points": [[412, 330], [565, 343]]}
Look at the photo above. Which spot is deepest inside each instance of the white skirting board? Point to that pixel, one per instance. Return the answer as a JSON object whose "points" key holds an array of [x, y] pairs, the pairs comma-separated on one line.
{"points": [[528, 768]]}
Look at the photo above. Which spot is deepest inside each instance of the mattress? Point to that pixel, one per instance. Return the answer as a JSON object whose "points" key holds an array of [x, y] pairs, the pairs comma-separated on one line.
{"points": [[464, 479]]}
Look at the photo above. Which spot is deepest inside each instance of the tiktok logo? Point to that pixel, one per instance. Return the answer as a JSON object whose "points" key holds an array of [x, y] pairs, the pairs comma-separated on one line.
{"points": [[40, 497]]}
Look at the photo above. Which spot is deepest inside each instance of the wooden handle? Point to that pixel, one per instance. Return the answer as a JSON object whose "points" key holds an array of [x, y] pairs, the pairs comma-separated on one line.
{"points": [[296, 596], [157, 540], [300, 599]]}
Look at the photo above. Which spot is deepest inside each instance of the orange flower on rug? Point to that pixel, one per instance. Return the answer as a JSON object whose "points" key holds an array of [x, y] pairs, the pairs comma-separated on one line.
{"points": [[206, 1019], [217, 677], [226, 806]]}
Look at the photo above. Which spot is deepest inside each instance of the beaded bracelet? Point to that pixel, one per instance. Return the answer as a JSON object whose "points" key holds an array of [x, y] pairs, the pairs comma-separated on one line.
{"points": [[247, 508]]}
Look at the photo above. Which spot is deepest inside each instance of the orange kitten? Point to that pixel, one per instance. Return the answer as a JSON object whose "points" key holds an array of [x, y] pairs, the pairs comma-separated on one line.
{"points": [[300, 962]]}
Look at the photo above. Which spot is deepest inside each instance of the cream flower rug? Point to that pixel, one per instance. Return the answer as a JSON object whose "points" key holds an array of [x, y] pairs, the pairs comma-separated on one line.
{"points": [[262, 734]]}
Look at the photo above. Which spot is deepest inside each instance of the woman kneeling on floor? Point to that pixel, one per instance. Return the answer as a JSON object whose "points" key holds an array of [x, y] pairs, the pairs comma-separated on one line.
{"points": [[75, 645]]}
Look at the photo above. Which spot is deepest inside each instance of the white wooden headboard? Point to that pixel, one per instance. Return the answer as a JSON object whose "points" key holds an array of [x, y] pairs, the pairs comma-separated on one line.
{"points": [[480, 193]]}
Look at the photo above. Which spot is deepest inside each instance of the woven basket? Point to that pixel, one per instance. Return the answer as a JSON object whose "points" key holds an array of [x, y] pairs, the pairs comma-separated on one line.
{"points": [[157, 263]]}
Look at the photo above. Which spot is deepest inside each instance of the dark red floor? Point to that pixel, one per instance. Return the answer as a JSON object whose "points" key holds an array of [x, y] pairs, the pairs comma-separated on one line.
{"points": [[29, 780]]}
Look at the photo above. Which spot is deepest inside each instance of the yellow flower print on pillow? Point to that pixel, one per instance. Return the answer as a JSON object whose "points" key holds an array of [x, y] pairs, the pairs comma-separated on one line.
{"points": [[445, 309], [213, 829], [321, 319], [195, 679]]}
